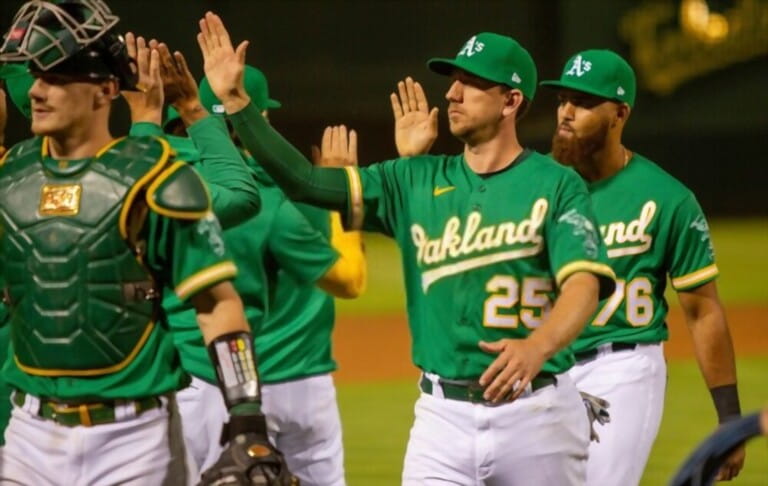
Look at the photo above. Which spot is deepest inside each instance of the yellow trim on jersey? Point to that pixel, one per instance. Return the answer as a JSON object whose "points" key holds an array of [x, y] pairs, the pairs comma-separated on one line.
{"points": [[355, 198], [122, 223], [693, 278], [93, 372], [171, 213], [108, 146], [583, 266], [45, 146], [205, 278]]}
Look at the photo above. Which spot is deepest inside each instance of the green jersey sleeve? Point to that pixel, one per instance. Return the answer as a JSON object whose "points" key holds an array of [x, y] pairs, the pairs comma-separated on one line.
{"points": [[190, 255], [690, 252], [298, 247], [233, 191], [573, 241], [209, 149]]}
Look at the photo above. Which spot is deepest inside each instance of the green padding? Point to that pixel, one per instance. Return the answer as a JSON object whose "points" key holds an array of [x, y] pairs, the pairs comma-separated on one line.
{"points": [[183, 191]]}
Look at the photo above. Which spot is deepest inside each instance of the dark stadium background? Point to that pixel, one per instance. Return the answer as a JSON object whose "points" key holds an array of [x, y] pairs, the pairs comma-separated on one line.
{"points": [[333, 62]]}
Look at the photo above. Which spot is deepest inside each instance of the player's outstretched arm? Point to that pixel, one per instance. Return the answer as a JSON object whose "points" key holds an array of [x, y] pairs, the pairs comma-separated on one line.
{"points": [[249, 456], [713, 347], [520, 360], [224, 69], [347, 278], [415, 123]]}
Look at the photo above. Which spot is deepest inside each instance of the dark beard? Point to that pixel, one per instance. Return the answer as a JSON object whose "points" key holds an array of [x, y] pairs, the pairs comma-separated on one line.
{"points": [[578, 152]]}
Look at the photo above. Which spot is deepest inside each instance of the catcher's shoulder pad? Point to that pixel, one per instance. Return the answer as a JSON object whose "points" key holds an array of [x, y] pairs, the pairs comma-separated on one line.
{"points": [[21, 150], [179, 192]]}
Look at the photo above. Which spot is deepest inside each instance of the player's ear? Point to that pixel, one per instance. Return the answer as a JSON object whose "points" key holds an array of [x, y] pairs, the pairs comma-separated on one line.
{"points": [[513, 102], [622, 113]]}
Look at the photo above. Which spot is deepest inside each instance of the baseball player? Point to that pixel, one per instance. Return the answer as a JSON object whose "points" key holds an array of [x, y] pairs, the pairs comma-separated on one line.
{"points": [[500, 254], [93, 228], [278, 245], [294, 341], [652, 227]]}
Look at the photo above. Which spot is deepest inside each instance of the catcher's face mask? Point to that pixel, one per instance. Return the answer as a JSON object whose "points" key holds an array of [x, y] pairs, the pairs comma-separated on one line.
{"points": [[71, 38]]}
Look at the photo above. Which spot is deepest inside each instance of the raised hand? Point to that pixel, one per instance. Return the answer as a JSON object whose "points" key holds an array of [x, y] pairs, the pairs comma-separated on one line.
{"points": [[415, 123], [224, 65], [179, 85], [337, 149], [146, 105]]}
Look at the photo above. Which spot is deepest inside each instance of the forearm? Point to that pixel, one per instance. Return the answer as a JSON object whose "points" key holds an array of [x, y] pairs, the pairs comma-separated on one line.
{"points": [[348, 276], [234, 193], [224, 316], [324, 187], [570, 313], [713, 349]]}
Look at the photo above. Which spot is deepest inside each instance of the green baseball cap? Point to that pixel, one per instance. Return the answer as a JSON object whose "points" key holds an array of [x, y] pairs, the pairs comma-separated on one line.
{"points": [[493, 57], [255, 85], [18, 81], [599, 72]]}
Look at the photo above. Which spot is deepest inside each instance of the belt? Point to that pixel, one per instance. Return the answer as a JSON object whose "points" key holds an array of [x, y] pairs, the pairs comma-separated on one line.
{"points": [[472, 391], [614, 347], [87, 414]]}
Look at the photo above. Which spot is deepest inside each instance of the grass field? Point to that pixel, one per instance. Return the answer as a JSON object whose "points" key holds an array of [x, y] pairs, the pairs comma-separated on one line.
{"points": [[377, 415]]}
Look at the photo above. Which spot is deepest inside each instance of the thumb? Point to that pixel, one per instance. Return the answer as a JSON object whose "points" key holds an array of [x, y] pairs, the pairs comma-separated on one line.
{"points": [[240, 51], [494, 347], [433, 115], [315, 154]]}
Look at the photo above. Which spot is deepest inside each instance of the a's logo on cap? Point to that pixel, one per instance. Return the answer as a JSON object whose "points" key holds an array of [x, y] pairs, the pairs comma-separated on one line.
{"points": [[218, 109], [579, 67], [471, 48], [620, 91], [516, 78]]}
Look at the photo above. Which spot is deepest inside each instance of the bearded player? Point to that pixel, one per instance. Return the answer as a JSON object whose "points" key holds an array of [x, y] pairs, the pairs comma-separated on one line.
{"points": [[500, 254], [652, 227]]}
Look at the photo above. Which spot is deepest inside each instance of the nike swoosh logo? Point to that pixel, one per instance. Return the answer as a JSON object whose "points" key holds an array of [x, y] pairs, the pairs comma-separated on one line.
{"points": [[439, 191]]}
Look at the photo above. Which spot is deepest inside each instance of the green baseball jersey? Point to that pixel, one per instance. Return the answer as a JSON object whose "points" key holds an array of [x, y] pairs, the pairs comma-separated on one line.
{"points": [[483, 255], [295, 340], [279, 238], [191, 256], [234, 195], [652, 227]]}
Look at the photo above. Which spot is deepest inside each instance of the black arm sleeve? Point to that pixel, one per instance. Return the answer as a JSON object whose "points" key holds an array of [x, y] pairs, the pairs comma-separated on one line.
{"points": [[324, 187]]}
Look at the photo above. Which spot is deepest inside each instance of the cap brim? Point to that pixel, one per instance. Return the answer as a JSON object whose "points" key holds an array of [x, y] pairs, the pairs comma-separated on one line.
{"points": [[446, 67], [559, 84]]}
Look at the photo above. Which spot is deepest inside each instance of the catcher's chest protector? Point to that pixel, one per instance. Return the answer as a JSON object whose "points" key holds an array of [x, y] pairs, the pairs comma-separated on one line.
{"points": [[81, 301]]}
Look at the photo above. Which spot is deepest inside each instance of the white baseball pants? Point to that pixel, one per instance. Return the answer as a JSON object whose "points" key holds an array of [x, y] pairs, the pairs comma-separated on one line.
{"points": [[633, 382]]}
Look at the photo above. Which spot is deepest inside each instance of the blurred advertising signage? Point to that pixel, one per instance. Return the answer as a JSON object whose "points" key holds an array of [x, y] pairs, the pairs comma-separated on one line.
{"points": [[672, 42]]}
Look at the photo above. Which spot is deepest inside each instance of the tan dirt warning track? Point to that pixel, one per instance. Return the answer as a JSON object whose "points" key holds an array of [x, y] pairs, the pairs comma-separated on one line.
{"points": [[374, 348]]}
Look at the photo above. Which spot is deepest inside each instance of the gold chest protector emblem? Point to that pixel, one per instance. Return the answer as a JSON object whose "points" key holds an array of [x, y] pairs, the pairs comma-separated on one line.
{"points": [[60, 199]]}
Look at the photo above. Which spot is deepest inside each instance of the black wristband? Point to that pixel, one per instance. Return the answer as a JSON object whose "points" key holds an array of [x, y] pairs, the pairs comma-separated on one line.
{"points": [[726, 400], [232, 356]]}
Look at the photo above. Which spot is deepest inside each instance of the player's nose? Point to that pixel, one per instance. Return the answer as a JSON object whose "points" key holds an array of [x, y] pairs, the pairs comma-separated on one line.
{"points": [[454, 91]]}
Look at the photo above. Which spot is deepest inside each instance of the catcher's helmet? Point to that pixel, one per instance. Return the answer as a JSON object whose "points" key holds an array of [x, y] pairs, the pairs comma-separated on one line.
{"points": [[69, 37]]}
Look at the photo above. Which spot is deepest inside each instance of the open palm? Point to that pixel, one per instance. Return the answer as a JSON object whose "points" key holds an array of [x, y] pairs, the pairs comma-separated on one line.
{"points": [[415, 123], [223, 64]]}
